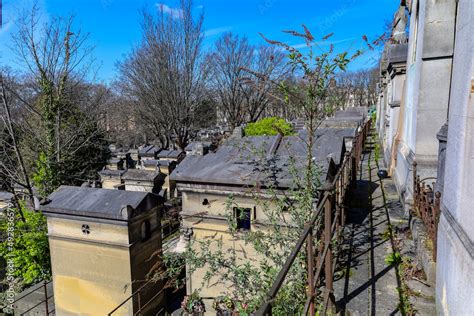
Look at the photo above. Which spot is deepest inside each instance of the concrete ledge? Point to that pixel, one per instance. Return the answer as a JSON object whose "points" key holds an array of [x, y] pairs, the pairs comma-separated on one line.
{"points": [[423, 254]]}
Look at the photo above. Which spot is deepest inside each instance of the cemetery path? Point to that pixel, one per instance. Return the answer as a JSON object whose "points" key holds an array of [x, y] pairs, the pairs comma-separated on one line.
{"points": [[367, 285]]}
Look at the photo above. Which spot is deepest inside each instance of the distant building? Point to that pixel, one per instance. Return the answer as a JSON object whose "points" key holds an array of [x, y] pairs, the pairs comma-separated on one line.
{"points": [[103, 244]]}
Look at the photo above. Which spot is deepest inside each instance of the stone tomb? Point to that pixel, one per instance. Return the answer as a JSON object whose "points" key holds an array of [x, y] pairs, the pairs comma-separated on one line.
{"points": [[111, 179], [101, 242], [143, 180]]}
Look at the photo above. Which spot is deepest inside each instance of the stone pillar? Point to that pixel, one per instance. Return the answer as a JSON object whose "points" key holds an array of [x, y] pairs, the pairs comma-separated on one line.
{"points": [[455, 257], [397, 56]]}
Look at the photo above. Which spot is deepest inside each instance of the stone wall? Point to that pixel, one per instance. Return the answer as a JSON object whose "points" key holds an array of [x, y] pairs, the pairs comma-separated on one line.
{"points": [[455, 260]]}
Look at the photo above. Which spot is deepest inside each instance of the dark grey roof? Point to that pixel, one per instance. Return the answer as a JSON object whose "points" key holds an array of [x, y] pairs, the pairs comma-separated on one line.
{"points": [[356, 115], [342, 122], [169, 153], [115, 161], [5, 196], [325, 145], [342, 131], [191, 146], [166, 163], [99, 203], [263, 160], [149, 151], [141, 175], [362, 110], [150, 162], [116, 173]]}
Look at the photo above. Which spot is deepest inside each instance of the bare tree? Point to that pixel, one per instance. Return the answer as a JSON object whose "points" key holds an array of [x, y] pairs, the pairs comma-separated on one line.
{"points": [[61, 142], [354, 88], [13, 171], [227, 64], [240, 96], [269, 62], [164, 76]]}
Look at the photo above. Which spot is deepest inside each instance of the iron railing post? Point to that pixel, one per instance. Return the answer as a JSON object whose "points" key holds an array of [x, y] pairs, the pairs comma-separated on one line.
{"points": [[139, 303], [436, 214], [309, 245], [328, 260], [353, 172], [415, 187], [45, 285]]}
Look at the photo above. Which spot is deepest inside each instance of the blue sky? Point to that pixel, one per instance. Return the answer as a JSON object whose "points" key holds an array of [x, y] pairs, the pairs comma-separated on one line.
{"points": [[114, 25]]}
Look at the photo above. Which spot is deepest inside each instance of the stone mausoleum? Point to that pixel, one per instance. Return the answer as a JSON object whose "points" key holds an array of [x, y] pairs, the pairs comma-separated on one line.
{"points": [[103, 243]]}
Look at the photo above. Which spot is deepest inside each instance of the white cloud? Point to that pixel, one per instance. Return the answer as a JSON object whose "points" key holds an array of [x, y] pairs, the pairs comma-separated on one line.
{"points": [[11, 11], [200, 7], [217, 31], [174, 12]]}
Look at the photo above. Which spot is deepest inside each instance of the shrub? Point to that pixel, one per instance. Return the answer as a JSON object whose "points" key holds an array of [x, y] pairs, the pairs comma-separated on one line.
{"points": [[269, 126]]}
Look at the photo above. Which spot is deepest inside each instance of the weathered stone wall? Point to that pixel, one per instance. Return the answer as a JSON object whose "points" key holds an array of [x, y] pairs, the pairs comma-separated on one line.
{"points": [[215, 224], [91, 273], [428, 82], [110, 183], [455, 261], [139, 186]]}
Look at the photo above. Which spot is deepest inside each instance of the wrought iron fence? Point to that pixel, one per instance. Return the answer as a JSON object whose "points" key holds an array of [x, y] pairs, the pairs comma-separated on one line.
{"points": [[426, 204], [331, 213]]}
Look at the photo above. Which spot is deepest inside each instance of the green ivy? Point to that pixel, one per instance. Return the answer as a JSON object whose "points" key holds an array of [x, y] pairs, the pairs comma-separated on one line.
{"points": [[44, 178], [30, 250]]}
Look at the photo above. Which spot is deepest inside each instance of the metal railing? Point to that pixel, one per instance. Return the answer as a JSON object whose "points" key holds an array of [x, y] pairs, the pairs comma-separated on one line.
{"points": [[426, 204], [44, 301], [331, 213]]}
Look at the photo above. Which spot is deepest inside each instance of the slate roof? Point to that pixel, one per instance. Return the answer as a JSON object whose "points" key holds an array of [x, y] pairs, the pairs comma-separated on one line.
{"points": [[109, 173], [150, 162], [149, 151], [263, 160], [353, 115], [99, 203], [166, 163], [342, 122], [192, 146], [169, 153], [361, 110], [349, 132], [141, 175]]}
